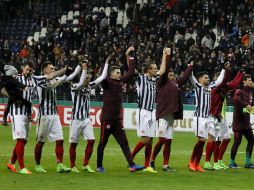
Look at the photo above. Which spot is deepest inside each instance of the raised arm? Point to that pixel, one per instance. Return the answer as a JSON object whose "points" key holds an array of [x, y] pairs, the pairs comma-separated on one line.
{"points": [[236, 81], [131, 71], [220, 78], [103, 74], [183, 79], [56, 74], [164, 61], [193, 80], [78, 85], [130, 49], [76, 71]]}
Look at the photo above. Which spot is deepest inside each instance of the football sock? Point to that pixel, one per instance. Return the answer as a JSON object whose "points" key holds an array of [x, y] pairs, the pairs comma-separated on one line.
{"points": [[37, 152], [137, 148], [216, 151], [248, 158], [166, 151], [148, 152], [14, 156], [223, 148], [232, 162], [88, 152], [59, 151], [196, 150], [157, 148], [209, 151], [200, 152], [20, 152], [72, 152]]}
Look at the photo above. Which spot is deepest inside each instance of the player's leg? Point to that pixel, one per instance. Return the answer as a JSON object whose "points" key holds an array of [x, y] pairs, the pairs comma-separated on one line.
{"points": [[104, 135], [161, 132], [74, 133], [42, 130], [56, 134], [89, 135], [248, 134], [237, 141], [225, 136]]}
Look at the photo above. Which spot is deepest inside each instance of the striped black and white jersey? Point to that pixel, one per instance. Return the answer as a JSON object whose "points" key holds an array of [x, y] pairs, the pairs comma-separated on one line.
{"points": [[146, 91], [47, 96], [31, 82], [203, 95], [81, 102]]}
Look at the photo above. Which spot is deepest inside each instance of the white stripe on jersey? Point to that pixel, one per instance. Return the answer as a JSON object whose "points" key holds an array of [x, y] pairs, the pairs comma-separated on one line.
{"points": [[31, 82], [47, 99], [81, 103], [146, 91]]}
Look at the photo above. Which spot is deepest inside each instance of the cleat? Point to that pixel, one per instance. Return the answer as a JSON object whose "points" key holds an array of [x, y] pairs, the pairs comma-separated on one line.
{"points": [[208, 166], [5, 123], [25, 171], [191, 166], [152, 164], [249, 166], [39, 169], [168, 169], [88, 168], [233, 166], [217, 166], [61, 168], [74, 170], [101, 169], [149, 169], [222, 164], [11, 167], [135, 168], [199, 168]]}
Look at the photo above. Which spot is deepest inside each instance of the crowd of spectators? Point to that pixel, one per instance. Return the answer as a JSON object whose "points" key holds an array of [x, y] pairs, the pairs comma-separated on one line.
{"points": [[211, 31]]}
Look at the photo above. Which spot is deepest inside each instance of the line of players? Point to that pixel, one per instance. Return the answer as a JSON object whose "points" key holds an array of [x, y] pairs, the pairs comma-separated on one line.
{"points": [[164, 83]]}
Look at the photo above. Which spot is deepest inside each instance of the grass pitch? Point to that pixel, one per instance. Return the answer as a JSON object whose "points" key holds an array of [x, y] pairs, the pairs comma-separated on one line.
{"points": [[117, 175]]}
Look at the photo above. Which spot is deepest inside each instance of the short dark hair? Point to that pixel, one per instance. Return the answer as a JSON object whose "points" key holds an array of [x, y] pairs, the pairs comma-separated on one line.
{"points": [[201, 74], [147, 66], [246, 76], [113, 68], [28, 63], [45, 64]]}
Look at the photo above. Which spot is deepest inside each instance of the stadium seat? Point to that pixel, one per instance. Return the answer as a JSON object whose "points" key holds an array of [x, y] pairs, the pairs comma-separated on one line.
{"points": [[70, 15], [75, 22], [63, 19], [76, 14], [36, 36], [101, 9], [115, 8], [107, 11], [44, 30], [95, 9]]}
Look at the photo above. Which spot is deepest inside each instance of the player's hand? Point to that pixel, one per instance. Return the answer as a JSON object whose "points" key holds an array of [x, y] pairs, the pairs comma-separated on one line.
{"points": [[249, 108], [130, 49], [68, 71], [108, 59], [227, 66], [166, 51], [84, 65]]}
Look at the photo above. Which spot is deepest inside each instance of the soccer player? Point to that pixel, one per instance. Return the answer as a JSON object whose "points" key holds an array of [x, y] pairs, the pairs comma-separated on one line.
{"points": [[81, 122], [217, 125], [111, 116], [169, 107], [203, 90], [243, 98], [49, 125], [19, 118], [145, 116]]}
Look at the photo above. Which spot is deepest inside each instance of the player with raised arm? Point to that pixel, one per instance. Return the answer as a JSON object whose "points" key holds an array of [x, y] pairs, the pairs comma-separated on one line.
{"points": [[81, 122], [48, 125], [111, 116], [203, 90], [169, 107]]}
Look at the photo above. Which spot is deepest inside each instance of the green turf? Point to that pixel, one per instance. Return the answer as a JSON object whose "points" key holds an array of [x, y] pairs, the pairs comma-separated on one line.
{"points": [[117, 175]]}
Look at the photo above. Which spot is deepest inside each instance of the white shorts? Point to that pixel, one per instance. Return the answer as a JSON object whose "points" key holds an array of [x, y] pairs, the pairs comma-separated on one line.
{"points": [[165, 127], [146, 123], [49, 126], [78, 127], [20, 127], [200, 126], [218, 129]]}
